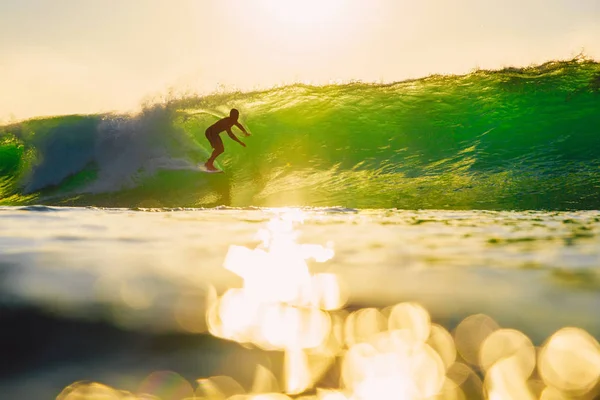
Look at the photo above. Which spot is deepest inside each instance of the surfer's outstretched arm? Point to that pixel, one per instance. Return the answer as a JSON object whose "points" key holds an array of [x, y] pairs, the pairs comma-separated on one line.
{"points": [[231, 135], [242, 128]]}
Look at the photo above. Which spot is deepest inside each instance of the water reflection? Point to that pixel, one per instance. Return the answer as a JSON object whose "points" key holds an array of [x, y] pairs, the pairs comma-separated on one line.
{"points": [[397, 352]]}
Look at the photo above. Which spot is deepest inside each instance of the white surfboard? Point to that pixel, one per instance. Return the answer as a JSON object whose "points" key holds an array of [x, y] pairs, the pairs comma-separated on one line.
{"points": [[202, 167]]}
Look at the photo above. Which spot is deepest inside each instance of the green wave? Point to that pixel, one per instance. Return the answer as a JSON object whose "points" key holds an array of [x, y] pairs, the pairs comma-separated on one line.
{"points": [[517, 138]]}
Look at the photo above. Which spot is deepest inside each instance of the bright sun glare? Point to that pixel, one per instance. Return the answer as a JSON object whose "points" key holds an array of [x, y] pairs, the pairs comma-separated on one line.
{"points": [[301, 11], [292, 25]]}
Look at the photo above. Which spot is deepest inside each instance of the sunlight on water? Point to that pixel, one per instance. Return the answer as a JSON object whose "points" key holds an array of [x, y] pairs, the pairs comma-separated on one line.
{"points": [[285, 305], [570, 361], [282, 305]]}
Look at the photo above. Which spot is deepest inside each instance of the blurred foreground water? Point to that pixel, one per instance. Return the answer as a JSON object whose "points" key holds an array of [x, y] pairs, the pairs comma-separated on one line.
{"points": [[329, 303]]}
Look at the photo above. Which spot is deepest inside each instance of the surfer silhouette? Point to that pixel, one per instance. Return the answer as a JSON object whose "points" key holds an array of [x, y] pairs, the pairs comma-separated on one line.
{"points": [[214, 131]]}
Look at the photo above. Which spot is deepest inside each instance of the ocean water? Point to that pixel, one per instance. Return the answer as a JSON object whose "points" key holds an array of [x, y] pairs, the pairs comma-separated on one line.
{"points": [[116, 295], [435, 238]]}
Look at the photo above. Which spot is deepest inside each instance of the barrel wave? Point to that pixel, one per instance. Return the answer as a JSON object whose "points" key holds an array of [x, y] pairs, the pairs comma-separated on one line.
{"points": [[511, 139]]}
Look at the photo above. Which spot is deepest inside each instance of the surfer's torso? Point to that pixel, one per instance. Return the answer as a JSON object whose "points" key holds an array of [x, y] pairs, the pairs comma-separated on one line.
{"points": [[221, 125]]}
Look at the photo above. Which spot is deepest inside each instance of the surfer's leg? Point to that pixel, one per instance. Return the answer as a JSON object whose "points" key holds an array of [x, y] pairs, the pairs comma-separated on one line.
{"points": [[217, 144], [211, 160]]}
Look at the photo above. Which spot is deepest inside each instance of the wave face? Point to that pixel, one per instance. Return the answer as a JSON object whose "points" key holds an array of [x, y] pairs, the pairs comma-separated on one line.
{"points": [[511, 139]]}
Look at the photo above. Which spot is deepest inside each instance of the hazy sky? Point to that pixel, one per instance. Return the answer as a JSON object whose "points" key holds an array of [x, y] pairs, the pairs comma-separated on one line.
{"points": [[81, 56]]}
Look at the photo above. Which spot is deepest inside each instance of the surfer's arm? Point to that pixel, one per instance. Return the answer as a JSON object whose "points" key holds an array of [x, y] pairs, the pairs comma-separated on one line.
{"points": [[232, 135], [242, 128]]}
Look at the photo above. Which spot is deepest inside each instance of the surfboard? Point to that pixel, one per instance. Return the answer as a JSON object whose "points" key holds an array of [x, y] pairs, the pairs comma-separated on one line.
{"points": [[202, 167]]}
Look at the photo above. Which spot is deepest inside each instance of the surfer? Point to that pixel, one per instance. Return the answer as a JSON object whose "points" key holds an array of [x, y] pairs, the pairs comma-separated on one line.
{"points": [[213, 135]]}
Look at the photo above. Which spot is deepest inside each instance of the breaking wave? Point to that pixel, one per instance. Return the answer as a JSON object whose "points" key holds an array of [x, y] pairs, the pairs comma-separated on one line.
{"points": [[517, 138]]}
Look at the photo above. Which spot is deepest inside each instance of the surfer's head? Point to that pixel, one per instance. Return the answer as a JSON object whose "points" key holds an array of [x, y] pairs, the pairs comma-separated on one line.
{"points": [[234, 114]]}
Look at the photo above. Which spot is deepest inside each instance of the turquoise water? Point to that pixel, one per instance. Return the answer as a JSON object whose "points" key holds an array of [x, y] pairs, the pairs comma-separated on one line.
{"points": [[510, 139]]}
